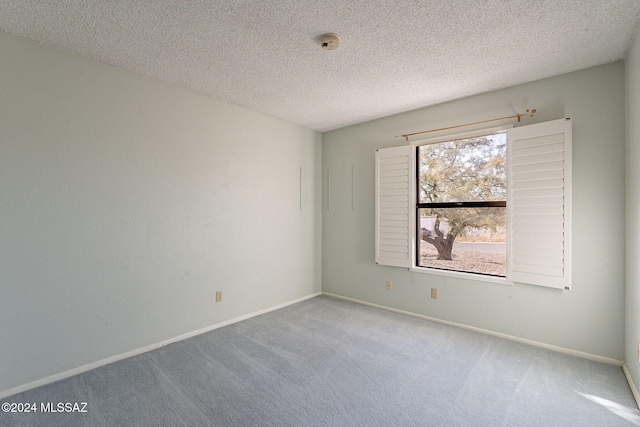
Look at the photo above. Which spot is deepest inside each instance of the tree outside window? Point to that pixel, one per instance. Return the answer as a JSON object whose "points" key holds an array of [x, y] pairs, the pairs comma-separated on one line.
{"points": [[461, 209]]}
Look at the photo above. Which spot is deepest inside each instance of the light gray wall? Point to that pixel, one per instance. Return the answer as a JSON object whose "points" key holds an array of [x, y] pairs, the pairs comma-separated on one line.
{"points": [[590, 317], [632, 298], [126, 203]]}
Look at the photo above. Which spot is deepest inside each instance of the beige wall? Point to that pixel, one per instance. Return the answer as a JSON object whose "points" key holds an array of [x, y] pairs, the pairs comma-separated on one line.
{"points": [[587, 319], [632, 296], [127, 203]]}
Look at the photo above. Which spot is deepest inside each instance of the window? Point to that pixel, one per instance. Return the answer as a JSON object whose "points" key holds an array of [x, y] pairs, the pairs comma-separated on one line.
{"points": [[494, 205], [461, 215]]}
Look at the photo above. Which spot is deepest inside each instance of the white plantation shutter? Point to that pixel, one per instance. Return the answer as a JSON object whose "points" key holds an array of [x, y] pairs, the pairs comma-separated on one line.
{"points": [[539, 204], [393, 218]]}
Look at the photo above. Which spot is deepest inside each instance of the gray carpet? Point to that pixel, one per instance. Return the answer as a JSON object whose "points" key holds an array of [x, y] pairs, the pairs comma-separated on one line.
{"points": [[327, 362]]}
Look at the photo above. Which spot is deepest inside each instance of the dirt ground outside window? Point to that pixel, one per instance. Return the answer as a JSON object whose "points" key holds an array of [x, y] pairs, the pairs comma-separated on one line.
{"points": [[472, 257]]}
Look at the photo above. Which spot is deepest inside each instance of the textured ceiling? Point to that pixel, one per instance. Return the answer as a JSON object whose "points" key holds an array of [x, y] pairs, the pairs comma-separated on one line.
{"points": [[395, 56]]}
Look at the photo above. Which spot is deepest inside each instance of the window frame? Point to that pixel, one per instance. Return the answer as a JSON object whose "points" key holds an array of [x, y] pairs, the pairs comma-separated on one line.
{"points": [[539, 211], [414, 202]]}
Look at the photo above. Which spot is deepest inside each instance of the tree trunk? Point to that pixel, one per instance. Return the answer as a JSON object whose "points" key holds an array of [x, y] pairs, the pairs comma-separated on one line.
{"points": [[443, 244], [444, 247], [444, 253]]}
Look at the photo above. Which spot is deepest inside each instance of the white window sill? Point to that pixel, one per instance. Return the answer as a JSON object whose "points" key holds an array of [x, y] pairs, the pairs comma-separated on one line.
{"points": [[461, 275]]}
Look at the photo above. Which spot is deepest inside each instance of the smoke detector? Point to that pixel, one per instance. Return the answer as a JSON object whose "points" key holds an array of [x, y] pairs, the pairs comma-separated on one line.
{"points": [[330, 41]]}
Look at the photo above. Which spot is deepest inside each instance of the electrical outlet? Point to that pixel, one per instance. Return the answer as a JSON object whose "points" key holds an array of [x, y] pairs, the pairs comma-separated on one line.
{"points": [[434, 293], [218, 296], [389, 285]]}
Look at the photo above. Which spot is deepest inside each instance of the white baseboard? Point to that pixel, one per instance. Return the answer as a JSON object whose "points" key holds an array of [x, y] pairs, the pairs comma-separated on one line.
{"points": [[563, 350], [102, 362], [632, 384]]}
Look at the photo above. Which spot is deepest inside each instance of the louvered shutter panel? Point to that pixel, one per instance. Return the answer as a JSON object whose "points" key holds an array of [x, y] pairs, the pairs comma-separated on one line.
{"points": [[539, 204], [393, 171]]}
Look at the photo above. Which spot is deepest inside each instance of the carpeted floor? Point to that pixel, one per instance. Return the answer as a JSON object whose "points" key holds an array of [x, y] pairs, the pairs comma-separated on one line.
{"points": [[328, 362]]}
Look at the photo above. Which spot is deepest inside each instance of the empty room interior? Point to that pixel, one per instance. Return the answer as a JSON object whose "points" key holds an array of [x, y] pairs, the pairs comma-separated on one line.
{"points": [[320, 213]]}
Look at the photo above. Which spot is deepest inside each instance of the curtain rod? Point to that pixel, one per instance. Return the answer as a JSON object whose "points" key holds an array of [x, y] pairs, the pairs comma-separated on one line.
{"points": [[518, 116]]}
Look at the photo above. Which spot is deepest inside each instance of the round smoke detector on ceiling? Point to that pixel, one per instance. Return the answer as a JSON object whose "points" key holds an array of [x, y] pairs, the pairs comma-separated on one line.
{"points": [[330, 41]]}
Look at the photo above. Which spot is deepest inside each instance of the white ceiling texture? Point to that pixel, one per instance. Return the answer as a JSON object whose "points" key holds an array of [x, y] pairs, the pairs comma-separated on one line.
{"points": [[395, 55]]}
